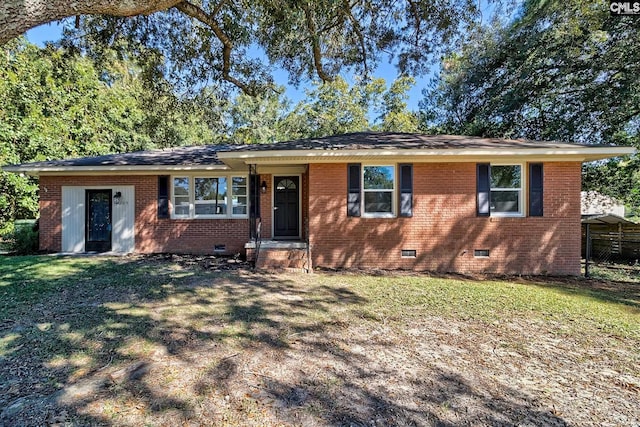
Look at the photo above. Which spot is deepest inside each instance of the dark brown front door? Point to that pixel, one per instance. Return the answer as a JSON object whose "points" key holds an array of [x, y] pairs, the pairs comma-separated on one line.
{"points": [[286, 206], [98, 221]]}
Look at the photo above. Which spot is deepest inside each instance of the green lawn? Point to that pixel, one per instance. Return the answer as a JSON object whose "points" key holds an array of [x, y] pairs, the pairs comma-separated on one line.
{"points": [[162, 341]]}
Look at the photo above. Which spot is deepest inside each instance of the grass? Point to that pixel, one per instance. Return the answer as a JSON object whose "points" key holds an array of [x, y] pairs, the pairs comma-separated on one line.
{"points": [[163, 342], [409, 297], [615, 272]]}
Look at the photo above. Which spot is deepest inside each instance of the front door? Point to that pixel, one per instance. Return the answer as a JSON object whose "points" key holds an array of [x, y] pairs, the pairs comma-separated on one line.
{"points": [[98, 221], [286, 207]]}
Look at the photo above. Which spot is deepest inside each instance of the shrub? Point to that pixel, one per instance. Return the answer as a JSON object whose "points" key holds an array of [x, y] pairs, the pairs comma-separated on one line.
{"points": [[23, 239]]}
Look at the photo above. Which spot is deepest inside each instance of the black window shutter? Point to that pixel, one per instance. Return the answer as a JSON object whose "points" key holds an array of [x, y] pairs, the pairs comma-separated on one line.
{"points": [[535, 189], [353, 189], [483, 189], [406, 190], [163, 196]]}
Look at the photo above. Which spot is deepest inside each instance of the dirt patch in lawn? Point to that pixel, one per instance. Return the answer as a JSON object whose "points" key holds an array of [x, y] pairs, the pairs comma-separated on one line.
{"points": [[186, 342]]}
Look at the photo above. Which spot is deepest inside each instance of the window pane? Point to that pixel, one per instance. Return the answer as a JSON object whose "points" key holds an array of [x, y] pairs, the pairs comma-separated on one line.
{"points": [[378, 177], [222, 190], [239, 200], [209, 188], [239, 181], [286, 184], [210, 209], [181, 205], [378, 201], [505, 176], [181, 186], [239, 210], [205, 188], [505, 201]]}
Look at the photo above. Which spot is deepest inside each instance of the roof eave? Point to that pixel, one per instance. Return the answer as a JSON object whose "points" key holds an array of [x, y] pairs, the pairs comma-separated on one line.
{"points": [[582, 154], [140, 169]]}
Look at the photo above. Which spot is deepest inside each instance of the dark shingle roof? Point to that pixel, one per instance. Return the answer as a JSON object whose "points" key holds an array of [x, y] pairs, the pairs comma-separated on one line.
{"points": [[206, 156], [177, 156], [398, 140]]}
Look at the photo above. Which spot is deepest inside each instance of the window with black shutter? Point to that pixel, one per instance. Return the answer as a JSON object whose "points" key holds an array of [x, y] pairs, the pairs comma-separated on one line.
{"points": [[353, 189], [406, 190], [163, 196], [536, 189], [483, 189]]}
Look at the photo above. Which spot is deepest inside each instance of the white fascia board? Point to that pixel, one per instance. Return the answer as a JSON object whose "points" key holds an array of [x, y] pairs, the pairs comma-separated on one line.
{"points": [[575, 154], [58, 170]]}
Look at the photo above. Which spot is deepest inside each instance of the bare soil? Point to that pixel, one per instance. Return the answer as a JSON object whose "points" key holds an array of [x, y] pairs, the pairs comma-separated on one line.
{"points": [[221, 345]]}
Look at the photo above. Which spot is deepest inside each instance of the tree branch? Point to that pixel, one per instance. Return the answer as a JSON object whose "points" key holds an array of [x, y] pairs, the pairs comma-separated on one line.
{"points": [[18, 16], [227, 45], [356, 29], [416, 16], [315, 44]]}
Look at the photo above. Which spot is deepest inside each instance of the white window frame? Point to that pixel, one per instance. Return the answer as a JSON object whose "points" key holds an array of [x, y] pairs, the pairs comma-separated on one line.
{"points": [[231, 194], [173, 198], [521, 192], [393, 192], [192, 196]]}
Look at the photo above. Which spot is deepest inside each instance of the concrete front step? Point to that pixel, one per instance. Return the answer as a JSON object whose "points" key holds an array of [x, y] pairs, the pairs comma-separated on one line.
{"points": [[280, 255], [277, 259]]}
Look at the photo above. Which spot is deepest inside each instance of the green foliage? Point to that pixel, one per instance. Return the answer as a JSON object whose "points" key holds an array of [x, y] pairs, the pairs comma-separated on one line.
{"points": [[259, 119], [337, 107], [334, 108], [22, 238], [57, 104], [239, 43], [559, 71], [395, 117]]}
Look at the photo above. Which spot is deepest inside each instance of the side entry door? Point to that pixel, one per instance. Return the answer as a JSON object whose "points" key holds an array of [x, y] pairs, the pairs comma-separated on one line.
{"points": [[98, 221]]}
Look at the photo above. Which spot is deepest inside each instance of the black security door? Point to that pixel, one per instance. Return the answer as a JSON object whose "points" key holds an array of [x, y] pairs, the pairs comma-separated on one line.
{"points": [[286, 205], [98, 221]]}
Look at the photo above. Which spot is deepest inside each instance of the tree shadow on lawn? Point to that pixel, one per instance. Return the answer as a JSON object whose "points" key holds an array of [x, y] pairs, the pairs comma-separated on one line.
{"points": [[127, 341]]}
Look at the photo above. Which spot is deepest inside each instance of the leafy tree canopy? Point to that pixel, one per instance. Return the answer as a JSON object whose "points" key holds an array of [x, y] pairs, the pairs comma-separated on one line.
{"points": [[240, 42], [56, 104]]}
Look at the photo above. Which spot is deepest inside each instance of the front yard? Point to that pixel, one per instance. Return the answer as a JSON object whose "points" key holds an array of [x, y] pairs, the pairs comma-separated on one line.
{"points": [[170, 341]]}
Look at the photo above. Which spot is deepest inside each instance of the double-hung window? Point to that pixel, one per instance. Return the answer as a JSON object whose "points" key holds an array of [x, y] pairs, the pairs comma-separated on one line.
{"points": [[506, 190], [209, 196], [239, 198], [378, 190], [181, 197]]}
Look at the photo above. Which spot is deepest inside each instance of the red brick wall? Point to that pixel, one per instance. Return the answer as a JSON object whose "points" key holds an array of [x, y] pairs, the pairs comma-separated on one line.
{"points": [[444, 229], [151, 234]]}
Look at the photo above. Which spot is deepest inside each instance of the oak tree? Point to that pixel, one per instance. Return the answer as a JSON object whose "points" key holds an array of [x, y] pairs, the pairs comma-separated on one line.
{"points": [[239, 41]]}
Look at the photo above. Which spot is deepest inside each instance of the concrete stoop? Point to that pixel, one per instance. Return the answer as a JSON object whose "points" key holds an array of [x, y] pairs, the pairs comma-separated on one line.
{"points": [[291, 256]]}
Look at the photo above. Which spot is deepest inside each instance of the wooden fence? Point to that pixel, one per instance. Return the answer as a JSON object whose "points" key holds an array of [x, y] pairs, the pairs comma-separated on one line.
{"points": [[613, 242]]}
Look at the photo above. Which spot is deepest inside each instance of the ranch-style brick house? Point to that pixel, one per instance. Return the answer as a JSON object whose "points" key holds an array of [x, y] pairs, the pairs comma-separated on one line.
{"points": [[361, 200]]}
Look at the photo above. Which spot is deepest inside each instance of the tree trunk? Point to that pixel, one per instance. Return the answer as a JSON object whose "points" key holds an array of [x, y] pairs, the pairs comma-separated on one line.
{"points": [[18, 16]]}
